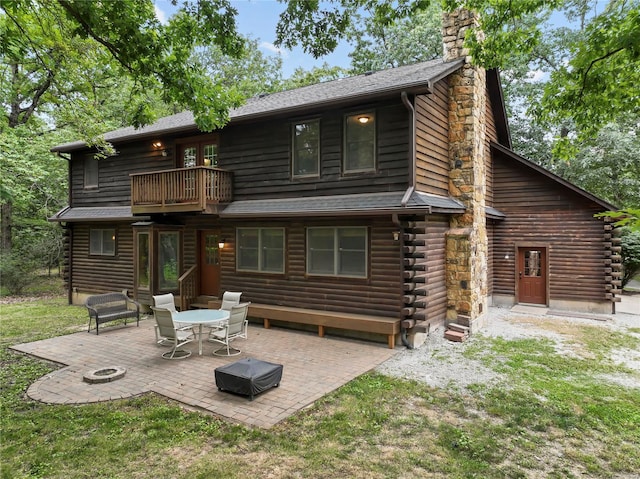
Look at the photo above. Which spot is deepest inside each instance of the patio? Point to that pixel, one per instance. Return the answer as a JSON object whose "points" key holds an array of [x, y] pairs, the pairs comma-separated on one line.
{"points": [[313, 367]]}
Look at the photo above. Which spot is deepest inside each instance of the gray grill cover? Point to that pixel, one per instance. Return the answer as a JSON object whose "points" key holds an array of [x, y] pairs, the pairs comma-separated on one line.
{"points": [[248, 376]]}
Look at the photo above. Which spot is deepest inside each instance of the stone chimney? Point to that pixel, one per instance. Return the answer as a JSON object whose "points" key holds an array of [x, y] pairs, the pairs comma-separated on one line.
{"points": [[467, 244]]}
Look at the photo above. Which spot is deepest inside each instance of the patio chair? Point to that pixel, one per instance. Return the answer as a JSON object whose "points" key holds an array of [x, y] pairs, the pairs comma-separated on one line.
{"points": [[167, 301], [235, 327], [229, 299], [170, 333]]}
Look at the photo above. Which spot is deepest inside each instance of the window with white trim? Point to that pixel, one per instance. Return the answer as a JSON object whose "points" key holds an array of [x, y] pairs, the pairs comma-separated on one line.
{"points": [[260, 250], [340, 251], [102, 242], [359, 143], [306, 149]]}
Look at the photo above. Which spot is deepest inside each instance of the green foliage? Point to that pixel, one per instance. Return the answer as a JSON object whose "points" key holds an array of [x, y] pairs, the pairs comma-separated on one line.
{"points": [[302, 77], [630, 254], [17, 271], [392, 43]]}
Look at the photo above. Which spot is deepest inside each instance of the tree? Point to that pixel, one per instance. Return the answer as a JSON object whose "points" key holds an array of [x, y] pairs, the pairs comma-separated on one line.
{"points": [[157, 58], [596, 85], [302, 77]]}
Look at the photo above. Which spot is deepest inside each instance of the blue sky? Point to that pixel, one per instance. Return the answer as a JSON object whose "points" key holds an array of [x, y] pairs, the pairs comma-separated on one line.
{"points": [[257, 19]]}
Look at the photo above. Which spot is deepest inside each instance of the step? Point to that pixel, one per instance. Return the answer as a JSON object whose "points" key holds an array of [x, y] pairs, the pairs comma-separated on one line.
{"points": [[456, 336], [458, 327]]}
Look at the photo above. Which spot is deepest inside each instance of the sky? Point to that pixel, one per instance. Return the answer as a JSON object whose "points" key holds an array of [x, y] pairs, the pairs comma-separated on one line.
{"points": [[257, 19]]}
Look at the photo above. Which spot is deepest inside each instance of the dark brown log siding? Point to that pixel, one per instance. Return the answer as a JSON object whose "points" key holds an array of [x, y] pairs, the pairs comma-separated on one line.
{"points": [[432, 141], [259, 156], [101, 274], [379, 295], [541, 211], [114, 184], [436, 228], [491, 135]]}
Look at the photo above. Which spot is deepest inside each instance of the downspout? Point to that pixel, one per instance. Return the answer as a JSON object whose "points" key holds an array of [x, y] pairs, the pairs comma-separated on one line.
{"points": [[405, 199]]}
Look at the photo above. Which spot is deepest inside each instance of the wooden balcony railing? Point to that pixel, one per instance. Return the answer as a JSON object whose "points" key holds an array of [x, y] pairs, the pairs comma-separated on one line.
{"points": [[199, 189]]}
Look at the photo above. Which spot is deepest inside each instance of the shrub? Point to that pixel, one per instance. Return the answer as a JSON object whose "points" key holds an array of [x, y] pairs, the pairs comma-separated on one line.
{"points": [[630, 254], [17, 271]]}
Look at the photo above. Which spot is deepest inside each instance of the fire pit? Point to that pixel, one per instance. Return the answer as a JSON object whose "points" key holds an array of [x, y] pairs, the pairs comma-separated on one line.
{"points": [[104, 375]]}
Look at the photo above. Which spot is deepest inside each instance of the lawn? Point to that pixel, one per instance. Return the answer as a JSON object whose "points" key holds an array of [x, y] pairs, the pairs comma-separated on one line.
{"points": [[553, 418]]}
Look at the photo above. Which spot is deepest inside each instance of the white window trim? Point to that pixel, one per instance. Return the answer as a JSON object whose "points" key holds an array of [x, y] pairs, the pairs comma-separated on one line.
{"points": [[375, 143], [260, 250], [294, 150], [336, 256]]}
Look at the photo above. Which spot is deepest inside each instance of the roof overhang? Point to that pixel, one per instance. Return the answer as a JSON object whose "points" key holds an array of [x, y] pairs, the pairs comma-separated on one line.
{"points": [[378, 204], [95, 214]]}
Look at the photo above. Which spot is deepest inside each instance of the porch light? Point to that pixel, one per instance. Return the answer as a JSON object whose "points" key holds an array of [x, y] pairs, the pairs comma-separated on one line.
{"points": [[396, 235], [363, 119], [157, 144], [221, 243]]}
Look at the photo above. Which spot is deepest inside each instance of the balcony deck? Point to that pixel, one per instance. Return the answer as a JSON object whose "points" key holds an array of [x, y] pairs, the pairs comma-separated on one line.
{"points": [[200, 189]]}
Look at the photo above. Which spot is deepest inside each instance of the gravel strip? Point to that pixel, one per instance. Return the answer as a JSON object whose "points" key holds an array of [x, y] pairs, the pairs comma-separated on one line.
{"points": [[441, 363]]}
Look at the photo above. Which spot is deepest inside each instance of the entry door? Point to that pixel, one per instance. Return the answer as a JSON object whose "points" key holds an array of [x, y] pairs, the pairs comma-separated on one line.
{"points": [[209, 263], [532, 275]]}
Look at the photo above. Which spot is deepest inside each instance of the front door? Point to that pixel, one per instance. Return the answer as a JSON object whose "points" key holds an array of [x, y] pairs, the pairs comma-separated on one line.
{"points": [[209, 263], [532, 275]]}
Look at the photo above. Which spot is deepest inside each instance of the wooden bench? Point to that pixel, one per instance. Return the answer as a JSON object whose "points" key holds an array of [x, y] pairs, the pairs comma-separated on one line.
{"points": [[110, 307], [324, 319]]}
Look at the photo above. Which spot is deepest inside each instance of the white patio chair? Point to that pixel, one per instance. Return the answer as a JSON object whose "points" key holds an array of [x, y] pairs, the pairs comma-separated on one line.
{"points": [[168, 332], [167, 301], [229, 299], [234, 328]]}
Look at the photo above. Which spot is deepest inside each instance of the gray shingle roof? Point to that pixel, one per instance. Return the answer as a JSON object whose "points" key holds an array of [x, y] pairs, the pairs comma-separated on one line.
{"points": [[103, 213], [418, 77], [374, 203]]}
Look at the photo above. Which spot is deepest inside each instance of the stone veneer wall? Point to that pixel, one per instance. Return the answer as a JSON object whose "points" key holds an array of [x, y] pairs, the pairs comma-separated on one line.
{"points": [[467, 243]]}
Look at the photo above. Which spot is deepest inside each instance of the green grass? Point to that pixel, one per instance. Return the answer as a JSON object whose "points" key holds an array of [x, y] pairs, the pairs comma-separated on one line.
{"points": [[554, 417]]}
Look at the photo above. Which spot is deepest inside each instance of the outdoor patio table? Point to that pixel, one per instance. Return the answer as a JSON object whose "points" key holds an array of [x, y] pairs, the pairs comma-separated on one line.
{"points": [[201, 317]]}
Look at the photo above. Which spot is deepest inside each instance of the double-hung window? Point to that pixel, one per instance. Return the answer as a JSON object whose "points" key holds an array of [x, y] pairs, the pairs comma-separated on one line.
{"points": [[260, 249], [102, 242], [340, 251], [306, 148], [90, 172], [359, 143]]}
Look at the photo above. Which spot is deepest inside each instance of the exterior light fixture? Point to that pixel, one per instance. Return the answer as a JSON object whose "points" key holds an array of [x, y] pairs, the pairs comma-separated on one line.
{"points": [[221, 243], [396, 235], [157, 144], [363, 119]]}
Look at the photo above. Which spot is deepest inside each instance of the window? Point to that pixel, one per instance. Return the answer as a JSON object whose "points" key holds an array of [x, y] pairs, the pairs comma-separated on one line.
{"points": [[143, 260], [260, 249], [168, 256], [90, 173], [197, 151], [306, 148], [359, 143], [337, 251], [102, 242]]}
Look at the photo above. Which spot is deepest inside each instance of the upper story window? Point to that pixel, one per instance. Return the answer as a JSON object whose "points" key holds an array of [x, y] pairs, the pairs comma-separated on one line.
{"points": [[359, 143], [338, 251], [260, 249], [102, 242], [197, 152], [306, 149], [90, 172]]}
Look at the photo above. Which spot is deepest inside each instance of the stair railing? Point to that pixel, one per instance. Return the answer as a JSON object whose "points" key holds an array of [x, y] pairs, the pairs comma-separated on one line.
{"points": [[188, 284]]}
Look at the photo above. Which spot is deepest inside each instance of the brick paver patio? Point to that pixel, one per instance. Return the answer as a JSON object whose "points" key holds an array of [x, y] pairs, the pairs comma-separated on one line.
{"points": [[313, 367]]}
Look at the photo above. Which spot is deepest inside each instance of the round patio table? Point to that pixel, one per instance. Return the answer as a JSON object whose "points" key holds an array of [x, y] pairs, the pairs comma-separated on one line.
{"points": [[201, 317]]}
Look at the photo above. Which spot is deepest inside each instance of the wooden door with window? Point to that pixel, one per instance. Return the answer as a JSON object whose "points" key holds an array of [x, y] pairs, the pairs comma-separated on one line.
{"points": [[198, 152], [209, 263], [532, 275]]}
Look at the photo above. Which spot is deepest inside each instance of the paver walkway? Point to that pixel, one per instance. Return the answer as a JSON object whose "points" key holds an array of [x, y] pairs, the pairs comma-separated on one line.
{"points": [[313, 367]]}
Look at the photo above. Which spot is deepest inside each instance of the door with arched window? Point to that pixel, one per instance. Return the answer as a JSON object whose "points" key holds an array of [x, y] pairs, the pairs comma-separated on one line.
{"points": [[198, 151]]}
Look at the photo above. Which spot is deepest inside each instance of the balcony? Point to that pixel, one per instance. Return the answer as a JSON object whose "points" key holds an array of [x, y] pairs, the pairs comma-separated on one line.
{"points": [[196, 190]]}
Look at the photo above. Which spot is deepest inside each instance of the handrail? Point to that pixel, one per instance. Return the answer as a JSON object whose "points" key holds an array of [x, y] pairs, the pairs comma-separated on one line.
{"points": [[188, 287]]}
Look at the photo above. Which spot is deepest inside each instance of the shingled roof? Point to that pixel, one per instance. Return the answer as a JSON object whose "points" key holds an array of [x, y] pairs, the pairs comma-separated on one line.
{"points": [[416, 78]]}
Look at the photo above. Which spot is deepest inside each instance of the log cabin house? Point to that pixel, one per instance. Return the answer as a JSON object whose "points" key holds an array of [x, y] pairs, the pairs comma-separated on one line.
{"points": [[387, 203]]}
